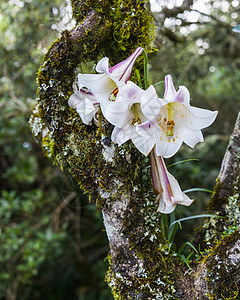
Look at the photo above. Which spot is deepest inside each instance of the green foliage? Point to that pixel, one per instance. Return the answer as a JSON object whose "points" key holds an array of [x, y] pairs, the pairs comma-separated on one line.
{"points": [[221, 265], [51, 240], [170, 227], [129, 25], [25, 243], [45, 251]]}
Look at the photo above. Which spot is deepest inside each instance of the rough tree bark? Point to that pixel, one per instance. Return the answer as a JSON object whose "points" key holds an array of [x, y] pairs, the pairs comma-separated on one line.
{"points": [[141, 266]]}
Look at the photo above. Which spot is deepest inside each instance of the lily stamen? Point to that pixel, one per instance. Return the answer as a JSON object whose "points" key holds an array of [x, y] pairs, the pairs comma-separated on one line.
{"points": [[170, 126], [170, 111], [136, 118], [134, 121], [113, 95]]}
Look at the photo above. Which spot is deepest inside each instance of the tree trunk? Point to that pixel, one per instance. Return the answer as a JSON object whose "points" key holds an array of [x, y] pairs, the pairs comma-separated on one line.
{"points": [[141, 264]]}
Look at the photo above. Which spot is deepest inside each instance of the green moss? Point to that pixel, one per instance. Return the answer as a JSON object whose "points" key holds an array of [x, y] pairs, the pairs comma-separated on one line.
{"points": [[130, 25], [83, 150], [224, 202], [215, 203], [222, 279], [142, 228], [70, 143]]}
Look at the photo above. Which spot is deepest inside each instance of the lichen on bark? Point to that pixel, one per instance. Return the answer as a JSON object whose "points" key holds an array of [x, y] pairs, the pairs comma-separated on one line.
{"points": [[218, 270], [141, 265], [225, 199]]}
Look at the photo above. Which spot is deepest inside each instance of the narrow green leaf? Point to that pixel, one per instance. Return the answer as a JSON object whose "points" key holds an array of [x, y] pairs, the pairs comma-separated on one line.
{"points": [[145, 63], [157, 83], [185, 261], [183, 246], [195, 217], [198, 190], [164, 222], [172, 246], [172, 217], [189, 256], [172, 232], [181, 249], [183, 161]]}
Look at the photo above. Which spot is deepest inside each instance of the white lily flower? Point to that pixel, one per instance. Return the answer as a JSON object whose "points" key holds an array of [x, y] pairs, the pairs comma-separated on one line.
{"points": [[105, 86], [84, 102], [171, 120], [125, 113], [168, 191]]}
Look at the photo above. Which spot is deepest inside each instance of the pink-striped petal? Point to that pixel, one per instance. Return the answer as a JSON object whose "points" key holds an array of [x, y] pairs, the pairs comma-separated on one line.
{"points": [[122, 71], [170, 91], [168, 191]]}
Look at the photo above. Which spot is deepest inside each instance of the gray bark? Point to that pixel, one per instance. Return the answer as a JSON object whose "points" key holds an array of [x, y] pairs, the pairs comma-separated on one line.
{"points": [[141, 265]]}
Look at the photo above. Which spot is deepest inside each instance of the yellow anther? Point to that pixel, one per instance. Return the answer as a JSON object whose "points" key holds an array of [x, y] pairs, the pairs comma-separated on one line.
{"points": [[113, 95], [170, 126], [135, 110], [134, 121], [169, 133]]}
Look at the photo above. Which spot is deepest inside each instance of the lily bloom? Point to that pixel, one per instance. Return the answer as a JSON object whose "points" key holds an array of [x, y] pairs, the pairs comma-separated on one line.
{"points": [[125, 113], [166, 187], [84, 102], [106, 85], [172, 120]]}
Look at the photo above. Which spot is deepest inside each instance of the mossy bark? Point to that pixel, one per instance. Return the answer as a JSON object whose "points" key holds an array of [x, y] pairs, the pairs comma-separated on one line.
{"points": [[218, 274], [141, 266]]}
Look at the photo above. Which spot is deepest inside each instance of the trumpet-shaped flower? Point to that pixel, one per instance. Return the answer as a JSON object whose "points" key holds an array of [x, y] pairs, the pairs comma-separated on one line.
{"points": [[172, 120], [106, 85], [166, 187], [84, 102], [126, 114]]}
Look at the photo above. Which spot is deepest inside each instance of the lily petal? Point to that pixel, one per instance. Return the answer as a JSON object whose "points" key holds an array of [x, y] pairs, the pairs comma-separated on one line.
{"points": [[120, 136], [192, 137], [84, 102], [119, 112], [74, 100], [150, 103], [182, 96], [116, 113], [104, 84], [147, 128], [103, 66], [143, 144], [122, 71], [170, 91], [100, 85], [172, 120], [167, 148], [168, 191], [201, 118]]}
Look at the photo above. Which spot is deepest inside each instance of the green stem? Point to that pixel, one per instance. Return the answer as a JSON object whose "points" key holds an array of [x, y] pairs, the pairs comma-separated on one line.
{"points": [[145, 64], [138, 77], [164, 222]]}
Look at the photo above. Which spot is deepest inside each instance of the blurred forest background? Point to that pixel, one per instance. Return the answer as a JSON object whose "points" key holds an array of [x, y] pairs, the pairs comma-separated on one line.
{"points": [[52, 241]]}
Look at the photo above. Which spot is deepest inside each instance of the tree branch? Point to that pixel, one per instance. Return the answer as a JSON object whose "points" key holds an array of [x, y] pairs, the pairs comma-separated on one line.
{"points": [[142, 266], [228, 179], [173, 12]]}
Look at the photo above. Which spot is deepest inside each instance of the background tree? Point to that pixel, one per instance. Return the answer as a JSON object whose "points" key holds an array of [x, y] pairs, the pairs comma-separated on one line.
{"points": [[51, 241]]}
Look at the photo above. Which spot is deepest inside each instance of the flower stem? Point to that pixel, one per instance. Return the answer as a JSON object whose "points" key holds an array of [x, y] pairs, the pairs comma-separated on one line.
{"points": [[145, 64], [138, 77]]}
